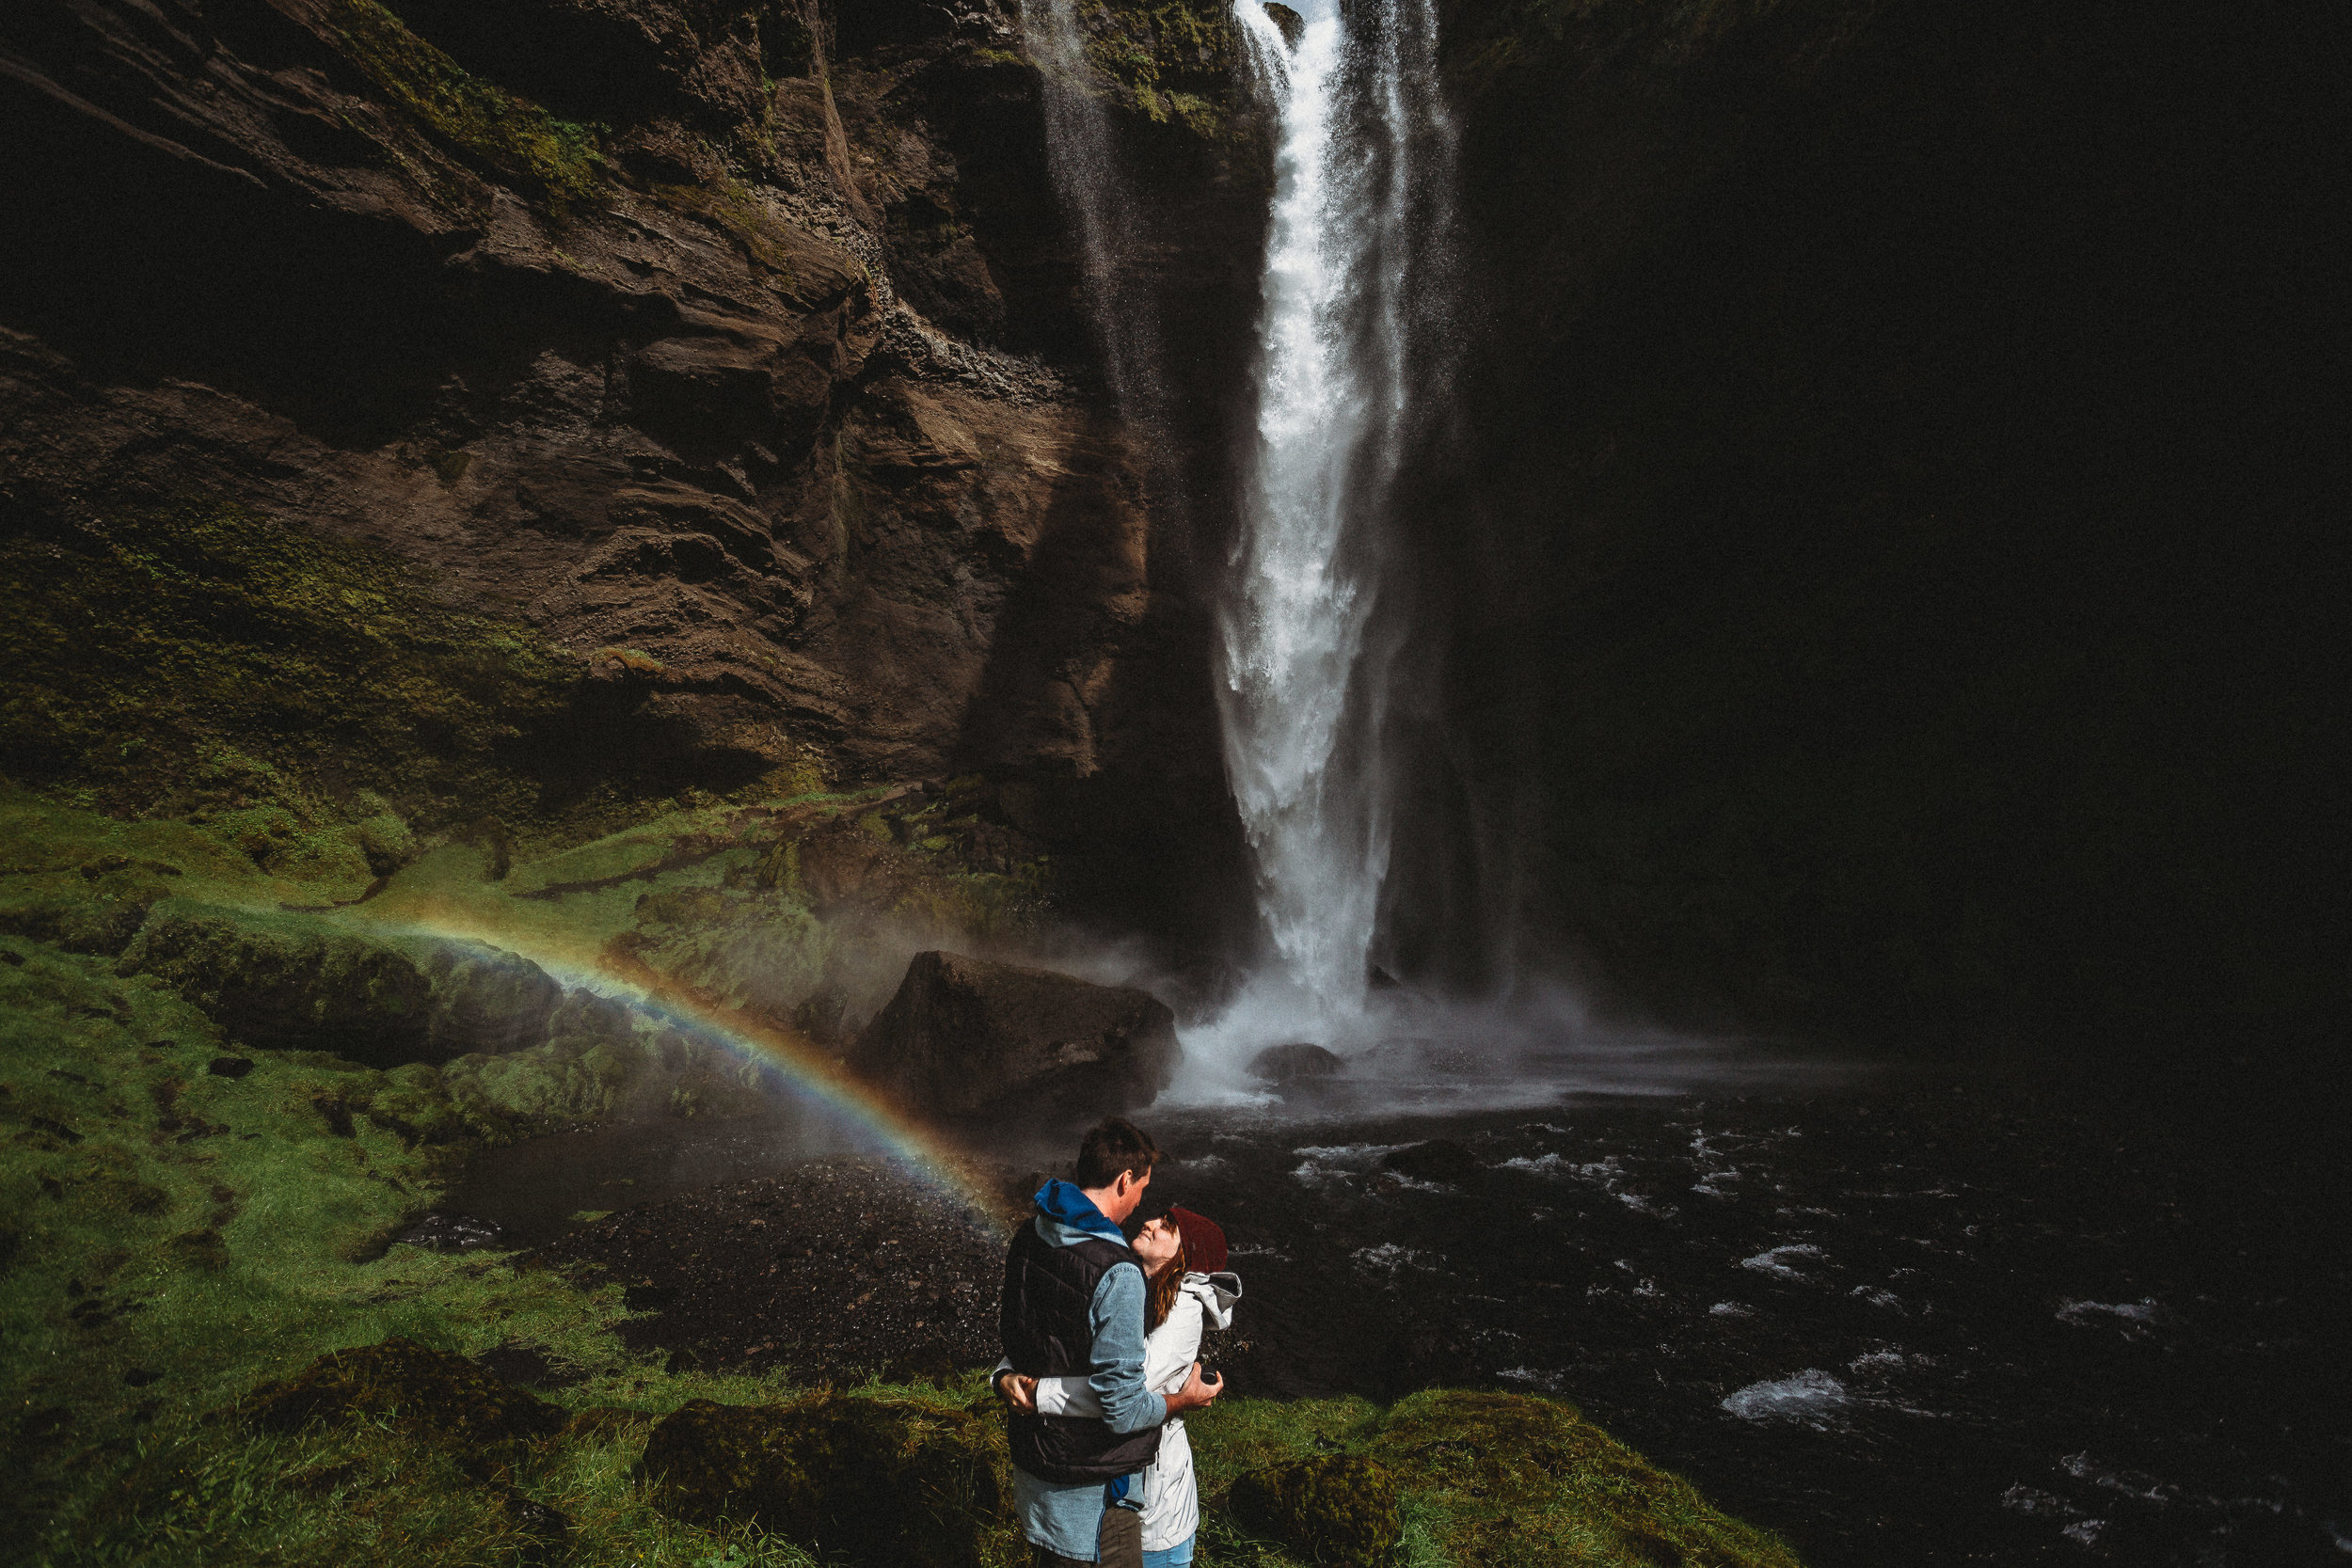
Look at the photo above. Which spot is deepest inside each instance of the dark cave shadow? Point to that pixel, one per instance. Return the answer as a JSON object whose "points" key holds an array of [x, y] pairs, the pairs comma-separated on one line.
{"points": [[1138, 819]]}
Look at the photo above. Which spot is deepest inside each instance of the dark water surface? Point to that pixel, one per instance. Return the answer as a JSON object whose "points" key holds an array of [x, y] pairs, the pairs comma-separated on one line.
{"points": [[1904, 1323]]}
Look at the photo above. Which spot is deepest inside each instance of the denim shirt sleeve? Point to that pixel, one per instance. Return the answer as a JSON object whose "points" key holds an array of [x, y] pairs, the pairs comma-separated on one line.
{"points": [[1128, 1405]]}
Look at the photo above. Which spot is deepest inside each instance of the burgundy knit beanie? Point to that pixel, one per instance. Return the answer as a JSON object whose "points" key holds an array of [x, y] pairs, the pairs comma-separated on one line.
{"points": [[1204, 1243]]}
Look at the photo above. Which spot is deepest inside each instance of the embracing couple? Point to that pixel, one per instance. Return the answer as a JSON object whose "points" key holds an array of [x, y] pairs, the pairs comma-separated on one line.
{"points": [[1101, 1346]]}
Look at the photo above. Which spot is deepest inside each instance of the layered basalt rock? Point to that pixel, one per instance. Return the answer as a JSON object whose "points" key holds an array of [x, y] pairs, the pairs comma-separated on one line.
{"points": [[1836, 630], [674, 338]]}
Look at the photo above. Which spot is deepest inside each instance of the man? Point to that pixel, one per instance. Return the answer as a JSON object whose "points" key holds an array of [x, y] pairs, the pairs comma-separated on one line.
{"points": [[1073, 1303]]}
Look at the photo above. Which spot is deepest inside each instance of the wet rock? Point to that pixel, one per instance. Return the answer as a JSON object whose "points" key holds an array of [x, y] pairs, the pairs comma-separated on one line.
{"points": [[486, 999], [1292, 24], [966, 1038], [452, 1233], [1295, 1063], [832, 1271], [1438, 1159], [288, 981], [880, 1482], [545, 1532], [1330, 1507], [430, 1392]]}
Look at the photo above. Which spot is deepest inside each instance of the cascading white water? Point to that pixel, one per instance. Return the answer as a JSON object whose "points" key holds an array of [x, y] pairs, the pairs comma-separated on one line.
{"points": [[1363, 182]]}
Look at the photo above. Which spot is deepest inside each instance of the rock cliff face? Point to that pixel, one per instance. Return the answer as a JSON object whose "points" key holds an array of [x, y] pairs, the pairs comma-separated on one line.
{"points": [[707, 376], [1885, 560]]}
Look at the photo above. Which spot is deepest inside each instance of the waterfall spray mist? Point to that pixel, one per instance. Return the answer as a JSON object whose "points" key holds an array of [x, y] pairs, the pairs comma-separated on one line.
{"points": [[1351, 348]]}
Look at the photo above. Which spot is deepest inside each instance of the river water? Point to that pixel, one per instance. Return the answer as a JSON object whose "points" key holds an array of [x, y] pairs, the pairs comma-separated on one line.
{"points": [[1904, 1320]]}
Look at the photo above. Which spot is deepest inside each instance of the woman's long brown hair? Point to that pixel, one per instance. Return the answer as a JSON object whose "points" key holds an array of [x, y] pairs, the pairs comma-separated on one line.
{"points": [[1161, 1298]]}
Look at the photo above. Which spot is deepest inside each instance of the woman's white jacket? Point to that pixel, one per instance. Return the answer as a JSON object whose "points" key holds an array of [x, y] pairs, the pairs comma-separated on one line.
{"points": [[1171, 1498]]}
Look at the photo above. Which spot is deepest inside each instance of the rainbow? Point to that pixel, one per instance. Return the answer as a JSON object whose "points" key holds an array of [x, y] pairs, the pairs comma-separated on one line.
{"points": [[610, 969]]}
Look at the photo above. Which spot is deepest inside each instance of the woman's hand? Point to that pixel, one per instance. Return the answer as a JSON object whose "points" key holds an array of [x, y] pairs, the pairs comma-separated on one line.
{"points": [[1195, 1393], [1018, 1391]]}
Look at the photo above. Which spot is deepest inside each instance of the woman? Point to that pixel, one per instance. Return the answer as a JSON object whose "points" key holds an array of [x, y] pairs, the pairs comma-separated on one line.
{"points": [[1185, 1292]]}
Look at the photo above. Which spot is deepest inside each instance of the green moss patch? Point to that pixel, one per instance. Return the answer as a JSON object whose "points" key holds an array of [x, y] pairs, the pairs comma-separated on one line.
{"points": [[873, 1481], [512, 135], [1169, 62], [1328, 1508], [1481, 1481], [201, 659]]}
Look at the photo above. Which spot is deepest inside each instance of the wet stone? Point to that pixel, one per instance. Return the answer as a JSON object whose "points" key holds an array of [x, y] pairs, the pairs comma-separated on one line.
{"points": [[830, 1271], [1298, 1062], [1438, 1159], [452, 1233]]}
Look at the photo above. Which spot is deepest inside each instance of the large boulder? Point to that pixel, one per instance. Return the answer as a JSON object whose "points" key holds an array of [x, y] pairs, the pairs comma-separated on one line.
{"points": [[966, 1038], [1298, 1062], [873, 1481]]}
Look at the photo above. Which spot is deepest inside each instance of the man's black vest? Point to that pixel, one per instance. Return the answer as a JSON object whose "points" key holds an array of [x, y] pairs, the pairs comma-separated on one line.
{"points": [[1048, 1329]]}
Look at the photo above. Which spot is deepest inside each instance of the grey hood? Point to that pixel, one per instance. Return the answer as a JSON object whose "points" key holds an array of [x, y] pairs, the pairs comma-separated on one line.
{"points": [[1216, 1294]]}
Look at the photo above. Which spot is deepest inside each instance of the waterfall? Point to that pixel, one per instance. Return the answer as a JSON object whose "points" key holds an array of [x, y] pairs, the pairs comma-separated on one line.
{"points": [[1352, 350], [1101, 206]]}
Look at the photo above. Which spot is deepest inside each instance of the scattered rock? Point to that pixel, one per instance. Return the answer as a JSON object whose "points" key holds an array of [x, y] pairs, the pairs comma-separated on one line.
{"points": [[1438, 1159], [427, 1391], [1330, 1507], [452, 1233], [966, 1038], [229, 1067], [1295, 1063], [831, 1270], [880, 1482], [545, 1532]]}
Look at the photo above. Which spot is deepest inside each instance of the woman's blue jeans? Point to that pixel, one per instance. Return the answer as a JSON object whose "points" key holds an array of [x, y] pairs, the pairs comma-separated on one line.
{"points": [[1178, 1556]]}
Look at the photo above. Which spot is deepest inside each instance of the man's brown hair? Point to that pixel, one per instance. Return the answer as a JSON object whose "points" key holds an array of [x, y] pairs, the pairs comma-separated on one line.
{"points": [[1113, 1145]]}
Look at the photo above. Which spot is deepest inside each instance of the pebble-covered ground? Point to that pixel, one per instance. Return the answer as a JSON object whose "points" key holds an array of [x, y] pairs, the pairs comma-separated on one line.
{"points": [[831, 1270]]}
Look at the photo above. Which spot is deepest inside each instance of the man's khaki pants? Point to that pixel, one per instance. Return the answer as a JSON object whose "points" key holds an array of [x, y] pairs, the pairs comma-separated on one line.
{"points": [[1121, 1543]]}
